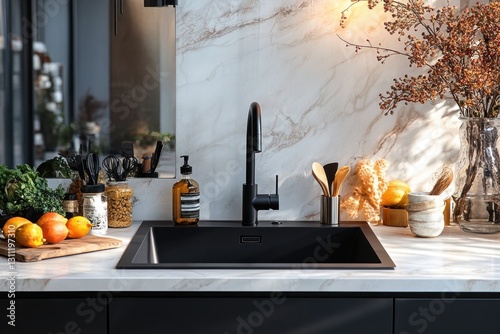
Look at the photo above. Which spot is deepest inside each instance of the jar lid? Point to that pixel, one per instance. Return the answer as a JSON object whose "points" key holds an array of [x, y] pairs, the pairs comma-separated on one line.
{"points": [[70, 197], [117, 183], [93, 188]]}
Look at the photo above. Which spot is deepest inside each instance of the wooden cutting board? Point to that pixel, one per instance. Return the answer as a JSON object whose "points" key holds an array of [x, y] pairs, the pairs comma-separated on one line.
{"points": [[88, 243]]}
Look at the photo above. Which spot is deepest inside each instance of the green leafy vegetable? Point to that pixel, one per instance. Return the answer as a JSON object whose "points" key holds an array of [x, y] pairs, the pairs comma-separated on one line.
{"points": [[56, 167], [22, 190]]}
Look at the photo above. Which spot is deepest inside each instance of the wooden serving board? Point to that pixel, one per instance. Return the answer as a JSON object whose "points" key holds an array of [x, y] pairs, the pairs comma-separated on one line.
{"points": [[88, 243]]}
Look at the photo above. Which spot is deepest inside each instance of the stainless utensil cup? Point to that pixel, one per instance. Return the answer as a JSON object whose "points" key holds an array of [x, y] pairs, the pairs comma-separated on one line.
{"points": [[330, 210]]}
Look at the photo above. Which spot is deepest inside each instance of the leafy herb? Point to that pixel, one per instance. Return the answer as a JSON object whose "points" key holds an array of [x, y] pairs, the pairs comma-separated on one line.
{"points": [[22, 190], [56, 167]]}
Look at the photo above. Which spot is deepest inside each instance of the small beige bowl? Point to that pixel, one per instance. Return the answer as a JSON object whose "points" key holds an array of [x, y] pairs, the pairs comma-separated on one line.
{"points": [[426, 229], [423, 201], [428, 215]]}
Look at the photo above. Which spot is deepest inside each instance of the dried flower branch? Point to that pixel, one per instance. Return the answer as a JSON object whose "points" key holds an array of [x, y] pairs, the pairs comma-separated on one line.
{"points": [[458, 51], [367, 195]]}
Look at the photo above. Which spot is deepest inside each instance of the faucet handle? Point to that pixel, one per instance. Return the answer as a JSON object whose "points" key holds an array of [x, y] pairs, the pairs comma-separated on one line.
{"points": [[274, 199]]}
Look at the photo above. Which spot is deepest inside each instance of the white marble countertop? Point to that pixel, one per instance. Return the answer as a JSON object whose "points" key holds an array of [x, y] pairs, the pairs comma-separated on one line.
{"points": [[455, 261]]}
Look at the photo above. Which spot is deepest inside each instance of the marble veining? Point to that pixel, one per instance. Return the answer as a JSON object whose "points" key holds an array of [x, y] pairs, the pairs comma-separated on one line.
{"points": [[319, 102]]}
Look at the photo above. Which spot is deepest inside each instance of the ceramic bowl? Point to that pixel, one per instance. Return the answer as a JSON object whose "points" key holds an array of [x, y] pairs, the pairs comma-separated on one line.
{"points": [[426, 229], [418, 201], [429, 215], [425, 214]]}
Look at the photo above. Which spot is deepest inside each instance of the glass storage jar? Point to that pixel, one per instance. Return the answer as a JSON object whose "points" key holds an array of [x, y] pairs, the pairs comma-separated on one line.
{"points": [[119, 196], [95, 208], [70, 205]]}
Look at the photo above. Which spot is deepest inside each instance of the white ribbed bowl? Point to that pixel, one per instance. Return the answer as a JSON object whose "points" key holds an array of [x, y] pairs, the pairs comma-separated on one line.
{"points": [[423, 201], [426, 229], [425, 214], [429, 215]]}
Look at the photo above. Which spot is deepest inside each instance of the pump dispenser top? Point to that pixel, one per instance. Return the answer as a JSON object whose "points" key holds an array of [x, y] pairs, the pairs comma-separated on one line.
{"points": [[186, 169]]}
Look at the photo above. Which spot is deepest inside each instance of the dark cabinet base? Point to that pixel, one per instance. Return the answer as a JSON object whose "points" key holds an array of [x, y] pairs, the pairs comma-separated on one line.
{"points": [[250, 313], [275, 313], [70, 315], [447, 314]]}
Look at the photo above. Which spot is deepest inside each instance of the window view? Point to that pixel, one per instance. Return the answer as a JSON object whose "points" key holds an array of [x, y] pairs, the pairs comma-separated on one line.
{"points": [[103, 79]]}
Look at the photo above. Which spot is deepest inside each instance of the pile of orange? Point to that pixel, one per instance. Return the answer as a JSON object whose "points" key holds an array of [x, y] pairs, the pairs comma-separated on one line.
{"points": [[50, 228]]}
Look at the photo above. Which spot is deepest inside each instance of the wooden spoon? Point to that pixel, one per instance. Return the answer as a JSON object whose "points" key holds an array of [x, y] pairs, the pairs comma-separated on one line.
{"points": [[319, 174], [339, 179], [444, 180]]}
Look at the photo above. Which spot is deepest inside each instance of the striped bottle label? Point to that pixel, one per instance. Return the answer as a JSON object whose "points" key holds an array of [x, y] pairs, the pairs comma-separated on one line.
{"points": [[190, 205]]}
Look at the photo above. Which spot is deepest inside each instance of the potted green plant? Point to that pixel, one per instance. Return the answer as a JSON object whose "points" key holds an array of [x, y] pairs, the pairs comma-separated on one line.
{"points": [[23, 192], [49, 109], [91, 110], [145, 140]]}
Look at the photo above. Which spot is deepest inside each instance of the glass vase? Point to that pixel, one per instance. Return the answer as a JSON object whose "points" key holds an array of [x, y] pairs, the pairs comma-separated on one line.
{"points": [[477, 176]]}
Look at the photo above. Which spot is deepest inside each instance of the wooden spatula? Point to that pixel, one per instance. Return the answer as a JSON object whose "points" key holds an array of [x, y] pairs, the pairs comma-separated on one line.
{"points": [[339, 179], [319, 174]]}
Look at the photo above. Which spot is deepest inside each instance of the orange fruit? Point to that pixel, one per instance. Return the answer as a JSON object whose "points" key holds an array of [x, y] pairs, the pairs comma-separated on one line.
{"points": [[29, 235], [78, 226], [54, 231], [48, 216], [12, 224]]}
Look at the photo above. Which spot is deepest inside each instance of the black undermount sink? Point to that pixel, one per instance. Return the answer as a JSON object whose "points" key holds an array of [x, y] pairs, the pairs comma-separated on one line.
{"points": [[228, 245]]}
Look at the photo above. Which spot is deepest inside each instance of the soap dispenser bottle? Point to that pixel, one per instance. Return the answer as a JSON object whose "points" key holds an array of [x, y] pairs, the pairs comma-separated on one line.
{"points": [[186, 197]]}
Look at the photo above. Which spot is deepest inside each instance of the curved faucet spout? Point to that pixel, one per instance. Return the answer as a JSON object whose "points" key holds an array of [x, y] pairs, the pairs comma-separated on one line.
{"points": [[252, 200], [254, 128], [254, 140]]}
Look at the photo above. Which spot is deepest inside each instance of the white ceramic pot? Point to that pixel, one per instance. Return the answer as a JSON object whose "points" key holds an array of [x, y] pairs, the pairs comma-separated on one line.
{"points": [[423, 201], [426, 229], [429, 215], [425, 214]]}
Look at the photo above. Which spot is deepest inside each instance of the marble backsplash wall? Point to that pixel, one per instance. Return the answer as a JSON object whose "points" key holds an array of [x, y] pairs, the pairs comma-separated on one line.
{"points": [[319, 102]]}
